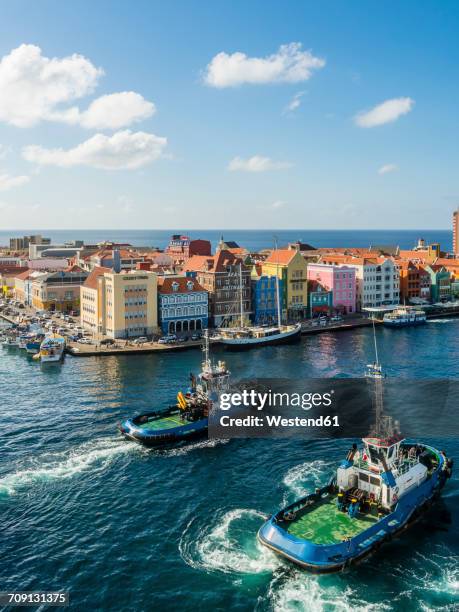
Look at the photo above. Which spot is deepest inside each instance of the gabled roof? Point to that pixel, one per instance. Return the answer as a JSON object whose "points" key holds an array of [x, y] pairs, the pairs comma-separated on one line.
{"points": [[165, 284], [91, 281], [214, 263], [281, 256], [24, 275]]}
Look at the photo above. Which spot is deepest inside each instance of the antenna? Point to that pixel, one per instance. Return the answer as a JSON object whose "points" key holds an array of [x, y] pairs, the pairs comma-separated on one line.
{"points": [[374, 339], [279, 322]]}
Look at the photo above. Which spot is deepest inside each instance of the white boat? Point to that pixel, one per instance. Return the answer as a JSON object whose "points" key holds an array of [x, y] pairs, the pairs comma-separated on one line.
{"points": [[246, 336], [51, 349], [402, 317]]}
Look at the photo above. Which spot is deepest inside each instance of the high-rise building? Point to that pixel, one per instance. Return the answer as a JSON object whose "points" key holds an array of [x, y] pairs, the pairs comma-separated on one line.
{"points": [[456, 233]]}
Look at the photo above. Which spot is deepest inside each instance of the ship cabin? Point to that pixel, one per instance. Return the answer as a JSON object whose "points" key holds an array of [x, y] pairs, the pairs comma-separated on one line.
{"points": [[384, 470]]}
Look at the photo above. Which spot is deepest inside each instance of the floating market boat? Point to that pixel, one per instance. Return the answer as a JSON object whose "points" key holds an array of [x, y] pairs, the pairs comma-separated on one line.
{"points": [[51, 349], [377, 493], [188, 418], [402, 317]]}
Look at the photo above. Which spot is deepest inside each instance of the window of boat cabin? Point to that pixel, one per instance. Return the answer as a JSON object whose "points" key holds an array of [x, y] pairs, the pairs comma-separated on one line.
{"points": [[363, 477], [374, 481]]}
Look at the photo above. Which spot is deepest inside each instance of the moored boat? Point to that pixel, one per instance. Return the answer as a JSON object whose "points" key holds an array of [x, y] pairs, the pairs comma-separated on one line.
{"points": [[188, 418], [51, 349], [405, 316]]}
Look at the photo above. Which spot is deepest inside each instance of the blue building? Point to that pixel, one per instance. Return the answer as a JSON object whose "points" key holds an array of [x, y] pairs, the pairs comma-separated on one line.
{"points": [[320, 299], [183, 305], [264, 299]]}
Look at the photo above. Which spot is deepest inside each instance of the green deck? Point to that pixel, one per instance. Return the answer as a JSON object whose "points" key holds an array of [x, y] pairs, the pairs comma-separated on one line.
{"points": [[164, 423], [325, 524]]}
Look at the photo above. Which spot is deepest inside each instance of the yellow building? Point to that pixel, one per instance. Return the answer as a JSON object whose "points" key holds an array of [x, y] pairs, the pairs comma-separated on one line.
{"points": [[120, 305], [290, 266]]}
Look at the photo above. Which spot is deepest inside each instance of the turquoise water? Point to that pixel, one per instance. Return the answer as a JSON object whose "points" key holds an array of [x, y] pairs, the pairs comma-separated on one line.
{"points": [[125, 528]]}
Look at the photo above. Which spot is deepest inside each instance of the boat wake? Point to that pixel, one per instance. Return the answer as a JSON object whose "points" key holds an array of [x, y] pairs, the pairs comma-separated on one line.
{"points": [[442, 320], [305, 477], [95, 456], [298, 592], [229, 545], [190, 447]]}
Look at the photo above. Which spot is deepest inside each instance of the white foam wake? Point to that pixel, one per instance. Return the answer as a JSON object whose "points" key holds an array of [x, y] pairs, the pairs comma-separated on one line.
{"points": [[94, 455], [193, 446], [228, 544], [305, 477], [301, 592]]}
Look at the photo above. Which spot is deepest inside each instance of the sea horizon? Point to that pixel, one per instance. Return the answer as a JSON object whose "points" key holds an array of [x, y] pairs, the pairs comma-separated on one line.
{"points": [[248, 238]]}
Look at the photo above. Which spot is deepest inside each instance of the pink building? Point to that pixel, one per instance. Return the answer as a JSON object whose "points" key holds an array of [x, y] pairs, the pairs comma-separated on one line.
{"points": [[339, 280]]}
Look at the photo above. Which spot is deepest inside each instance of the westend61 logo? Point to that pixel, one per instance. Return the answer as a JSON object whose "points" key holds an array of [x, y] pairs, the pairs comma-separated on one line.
{"points": [[270, 399]]}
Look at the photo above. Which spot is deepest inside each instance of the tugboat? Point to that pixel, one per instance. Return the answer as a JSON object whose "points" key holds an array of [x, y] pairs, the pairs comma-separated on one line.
{"points": [[402, 317], [377, 493], [188, 418]]}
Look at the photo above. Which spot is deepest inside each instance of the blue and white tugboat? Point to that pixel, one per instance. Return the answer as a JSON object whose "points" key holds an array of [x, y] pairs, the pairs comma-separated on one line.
{"points": [[188, 418], [378, 492]]}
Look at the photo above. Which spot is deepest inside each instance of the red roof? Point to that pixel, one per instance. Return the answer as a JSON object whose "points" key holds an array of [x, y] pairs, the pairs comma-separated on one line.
{"points": [[165, 284], [214, 263], [24, 275], [281, 256], [91, 281]]}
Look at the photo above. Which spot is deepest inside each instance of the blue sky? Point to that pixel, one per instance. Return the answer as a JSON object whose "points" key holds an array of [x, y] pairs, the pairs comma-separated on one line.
{"points": [[270, 139]]}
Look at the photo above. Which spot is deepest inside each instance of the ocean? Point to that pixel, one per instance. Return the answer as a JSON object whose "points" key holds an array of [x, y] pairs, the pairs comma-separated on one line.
{"points": [[254, 240], [122, 527]]}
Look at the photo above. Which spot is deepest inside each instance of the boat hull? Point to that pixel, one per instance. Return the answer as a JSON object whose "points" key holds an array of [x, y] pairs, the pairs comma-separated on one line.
{"points": [[275, 339], [330, 558], [404, 323], [131, 430]]}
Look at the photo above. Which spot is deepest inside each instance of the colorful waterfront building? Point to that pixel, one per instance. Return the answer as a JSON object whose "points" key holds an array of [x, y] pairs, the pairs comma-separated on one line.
{"points": [[181, 248], [377, 279], [320, 299], [58, 291], [339, 280], [440, 282], [120, 305], [290, 266], [264, 297], [183, 305], [220, 275]]}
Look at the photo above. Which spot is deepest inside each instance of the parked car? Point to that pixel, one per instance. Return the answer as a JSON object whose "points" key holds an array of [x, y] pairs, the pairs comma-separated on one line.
{"points": [[337, 318], [140, 340], [196, 336], [168, 339]]}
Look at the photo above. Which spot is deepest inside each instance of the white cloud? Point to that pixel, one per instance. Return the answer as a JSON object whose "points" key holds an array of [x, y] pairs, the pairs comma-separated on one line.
{"points": [[387, 168], [122, 150], [33, 86], [278, 204], [294, 103], [9, 182], [4, 151], [257, 163], [289, 65], [388, 111], [116, 110]]}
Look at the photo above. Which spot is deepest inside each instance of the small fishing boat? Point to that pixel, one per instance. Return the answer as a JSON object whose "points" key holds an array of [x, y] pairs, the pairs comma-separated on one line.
{"points": [[10, 341], [377, 493], [405, 316], [188, 418], [51, 349], [34, 344]]}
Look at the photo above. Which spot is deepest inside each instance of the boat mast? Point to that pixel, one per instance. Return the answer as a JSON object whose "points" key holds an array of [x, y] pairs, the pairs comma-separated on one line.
{"points": [[206, 347], [240, 294], [279, 322]]}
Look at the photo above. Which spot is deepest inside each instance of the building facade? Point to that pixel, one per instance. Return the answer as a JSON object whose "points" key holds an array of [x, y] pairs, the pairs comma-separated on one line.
{"points": [[290, 266], [340, 281], [264, 298], [440, 283], [183, 305], [377, 279], [120, 305], [320, 299], [58, 291], [181, 248], [226, 279]]}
